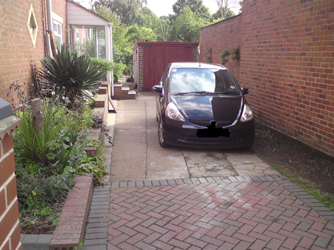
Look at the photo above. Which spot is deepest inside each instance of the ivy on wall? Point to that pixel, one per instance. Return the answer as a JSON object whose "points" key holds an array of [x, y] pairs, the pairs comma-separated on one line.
{"points": [[234, 52], [208, 55]]}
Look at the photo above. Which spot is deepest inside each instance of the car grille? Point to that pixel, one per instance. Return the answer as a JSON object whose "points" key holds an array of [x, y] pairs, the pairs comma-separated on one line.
{"points": [[206, 122]]}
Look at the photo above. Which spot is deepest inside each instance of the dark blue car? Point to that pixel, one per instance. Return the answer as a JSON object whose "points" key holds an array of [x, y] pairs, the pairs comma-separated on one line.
{"points": [[202, 105]]}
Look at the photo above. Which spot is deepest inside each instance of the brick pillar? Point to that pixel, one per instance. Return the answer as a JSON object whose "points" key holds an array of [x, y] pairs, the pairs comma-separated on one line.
{"points": [[9, 209]]}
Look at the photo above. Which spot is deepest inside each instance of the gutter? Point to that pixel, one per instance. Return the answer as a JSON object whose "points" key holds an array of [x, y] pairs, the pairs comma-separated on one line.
{"points": [[49, 32]]}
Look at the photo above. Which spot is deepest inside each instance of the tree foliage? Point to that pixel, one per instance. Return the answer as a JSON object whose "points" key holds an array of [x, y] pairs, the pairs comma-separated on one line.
{"points": [[188, 25], [223, 13], [122, 49], [162, 27], [196, 6], [224, 7], [134, 22], [140, 34], [145, 18], [125, 10]]}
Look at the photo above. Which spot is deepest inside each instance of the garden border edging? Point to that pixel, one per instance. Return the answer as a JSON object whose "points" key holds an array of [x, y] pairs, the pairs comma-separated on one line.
{"points": [[71, 227]]}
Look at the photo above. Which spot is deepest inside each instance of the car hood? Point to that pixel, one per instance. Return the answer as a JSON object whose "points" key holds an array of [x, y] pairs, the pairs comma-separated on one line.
{"points": [[201, 110]]}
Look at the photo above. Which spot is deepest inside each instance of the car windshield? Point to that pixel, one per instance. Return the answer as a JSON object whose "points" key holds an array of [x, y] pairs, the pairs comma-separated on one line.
{"points": [[201, 81]]}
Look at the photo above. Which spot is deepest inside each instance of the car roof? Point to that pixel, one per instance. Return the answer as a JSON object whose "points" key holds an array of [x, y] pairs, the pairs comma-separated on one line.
{"points": [[197, 65]]}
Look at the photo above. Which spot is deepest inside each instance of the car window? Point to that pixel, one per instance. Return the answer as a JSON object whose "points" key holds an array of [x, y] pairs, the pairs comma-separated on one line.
{"points": [[187, 80], [164, 76]]}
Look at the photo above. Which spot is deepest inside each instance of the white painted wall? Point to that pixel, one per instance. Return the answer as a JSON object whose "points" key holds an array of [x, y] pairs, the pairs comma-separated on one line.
{"points": [[78, 15]]}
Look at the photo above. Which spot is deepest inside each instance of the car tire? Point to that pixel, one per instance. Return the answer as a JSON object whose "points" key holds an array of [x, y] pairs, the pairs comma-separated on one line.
{"points": [[161, 135]]}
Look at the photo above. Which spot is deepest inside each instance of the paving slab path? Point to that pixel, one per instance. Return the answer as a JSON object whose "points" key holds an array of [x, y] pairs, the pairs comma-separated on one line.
{"points": [[180, 198], [137, 154]]}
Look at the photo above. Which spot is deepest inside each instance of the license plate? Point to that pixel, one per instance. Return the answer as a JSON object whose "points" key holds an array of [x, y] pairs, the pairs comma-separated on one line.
{"points": [[213, 133]]}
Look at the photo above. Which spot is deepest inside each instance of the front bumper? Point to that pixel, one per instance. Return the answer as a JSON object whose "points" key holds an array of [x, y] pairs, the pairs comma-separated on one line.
{"points": [[242, 134]]}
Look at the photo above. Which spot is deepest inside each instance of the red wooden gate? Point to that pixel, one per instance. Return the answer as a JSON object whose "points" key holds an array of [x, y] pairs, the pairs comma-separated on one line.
{"points": [[157, 55]]}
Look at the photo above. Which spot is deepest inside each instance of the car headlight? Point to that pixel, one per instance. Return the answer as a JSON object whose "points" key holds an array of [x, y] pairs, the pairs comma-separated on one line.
{"points": [[173, 113], [247, 114]]}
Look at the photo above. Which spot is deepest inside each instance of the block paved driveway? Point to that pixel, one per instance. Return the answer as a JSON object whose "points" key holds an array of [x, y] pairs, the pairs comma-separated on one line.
{"points": [[243, 210]]}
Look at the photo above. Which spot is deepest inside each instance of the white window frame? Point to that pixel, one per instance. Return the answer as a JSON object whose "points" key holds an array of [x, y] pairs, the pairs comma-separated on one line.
{"points": [[32, 25], [77, 38], [56, 33]]}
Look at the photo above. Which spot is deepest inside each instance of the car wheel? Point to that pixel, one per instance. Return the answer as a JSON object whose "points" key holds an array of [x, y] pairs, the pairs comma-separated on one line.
{"points": [[161, 135]]}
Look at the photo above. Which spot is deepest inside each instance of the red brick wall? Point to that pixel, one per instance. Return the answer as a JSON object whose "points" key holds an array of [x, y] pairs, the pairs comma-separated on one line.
{"points": [[59, 7], [9, 212], [217, 37], [16, 47], [287, 61]]}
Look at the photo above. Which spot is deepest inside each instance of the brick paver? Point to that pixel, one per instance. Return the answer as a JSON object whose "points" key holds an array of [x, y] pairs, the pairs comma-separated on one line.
{"points": [[228, 214]]}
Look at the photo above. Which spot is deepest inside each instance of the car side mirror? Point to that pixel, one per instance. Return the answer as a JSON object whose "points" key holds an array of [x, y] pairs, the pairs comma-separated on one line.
{"points": [[245, 91], [157, 89]]}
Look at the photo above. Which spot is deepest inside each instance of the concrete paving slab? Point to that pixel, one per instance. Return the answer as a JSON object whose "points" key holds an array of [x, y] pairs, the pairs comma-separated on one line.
{"points": [[208, 163], [130, 135], [165, 163], [130, 159], [249, 164], [256, 169], [162, 163]]}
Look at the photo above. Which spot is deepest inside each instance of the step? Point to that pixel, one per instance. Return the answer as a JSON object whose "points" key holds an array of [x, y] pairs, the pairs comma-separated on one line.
{"points": [[128, 96], [103, 90], [105, 84], [125, 88], [100, 101]]}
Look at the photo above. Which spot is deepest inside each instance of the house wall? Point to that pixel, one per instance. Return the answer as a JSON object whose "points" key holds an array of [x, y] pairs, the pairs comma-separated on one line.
{"points": [[17, 51], [287, 62], [217, 37], [59, 8]]}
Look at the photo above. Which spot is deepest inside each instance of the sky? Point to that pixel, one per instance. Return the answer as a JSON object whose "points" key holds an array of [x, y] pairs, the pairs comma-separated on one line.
{"points": [[164, 7]]}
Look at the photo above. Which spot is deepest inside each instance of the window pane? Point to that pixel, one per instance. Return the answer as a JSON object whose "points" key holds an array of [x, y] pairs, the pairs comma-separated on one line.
{"points": [[59, 29], [57, 41], [101, 44], [209, 80], [89, 40]]}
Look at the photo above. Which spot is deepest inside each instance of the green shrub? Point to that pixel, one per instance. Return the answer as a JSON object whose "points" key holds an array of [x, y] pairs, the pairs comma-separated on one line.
{"points": [[60, 144], [103, 65], [94, 163], [118, 69], [46, 211], [38, 192]]}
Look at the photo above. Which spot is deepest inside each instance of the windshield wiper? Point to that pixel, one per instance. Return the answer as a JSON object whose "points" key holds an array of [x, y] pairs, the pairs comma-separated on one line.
{"points": [[208, 93], [195, 92], [228, 93]]}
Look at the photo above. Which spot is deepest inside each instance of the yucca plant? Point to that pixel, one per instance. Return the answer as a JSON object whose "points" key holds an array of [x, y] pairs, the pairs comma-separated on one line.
{"points": [[70, 74]]}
